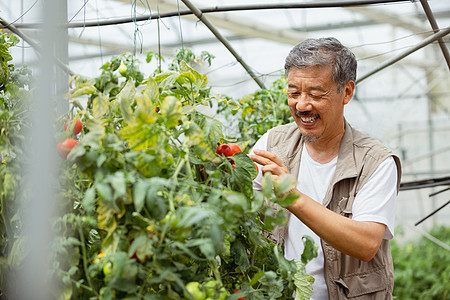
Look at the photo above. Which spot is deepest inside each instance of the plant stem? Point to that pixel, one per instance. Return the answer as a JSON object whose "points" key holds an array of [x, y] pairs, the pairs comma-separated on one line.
{"points": [[83, 249], [180, 164], [5, 220]]}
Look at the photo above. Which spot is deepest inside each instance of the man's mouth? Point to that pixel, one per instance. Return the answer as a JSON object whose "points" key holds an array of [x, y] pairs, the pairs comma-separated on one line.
{"points": [[307, 117]]}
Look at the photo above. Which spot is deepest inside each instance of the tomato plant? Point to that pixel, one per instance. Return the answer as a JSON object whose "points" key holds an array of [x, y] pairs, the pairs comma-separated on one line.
{"points": [[256, 113], [146, 205], [15, 94]]}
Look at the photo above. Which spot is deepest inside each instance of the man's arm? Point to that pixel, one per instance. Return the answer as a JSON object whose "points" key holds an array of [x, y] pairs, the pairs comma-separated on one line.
{"points": [[355, 238], [359, 239]]}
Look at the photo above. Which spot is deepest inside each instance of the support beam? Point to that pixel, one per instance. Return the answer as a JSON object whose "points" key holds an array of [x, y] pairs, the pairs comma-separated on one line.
{"points": [[216, 9], [402, 55], [224, 41], [436, 29], [383, 16], [33, 44]]}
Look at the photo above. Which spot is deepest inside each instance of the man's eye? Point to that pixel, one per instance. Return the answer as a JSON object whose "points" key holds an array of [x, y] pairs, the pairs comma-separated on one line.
{"points": [[315, 96]]}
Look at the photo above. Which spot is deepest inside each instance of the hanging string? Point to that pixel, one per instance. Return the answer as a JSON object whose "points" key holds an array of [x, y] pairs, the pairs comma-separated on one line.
{"points": [[159, 40], [137, 32], [99, 35], [22, 13], [84, 18], [181, 30], [83, 7], [159, 36]]}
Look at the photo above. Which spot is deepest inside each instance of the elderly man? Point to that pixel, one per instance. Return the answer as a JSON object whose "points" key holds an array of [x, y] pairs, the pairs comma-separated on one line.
{"points": [[347, 182]]}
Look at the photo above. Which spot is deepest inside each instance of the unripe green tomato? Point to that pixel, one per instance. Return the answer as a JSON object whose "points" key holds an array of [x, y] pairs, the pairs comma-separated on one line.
{"points": [[222, 293], [107, 268], [210, 288], [213, 291], [122, 69], [193, 288]]}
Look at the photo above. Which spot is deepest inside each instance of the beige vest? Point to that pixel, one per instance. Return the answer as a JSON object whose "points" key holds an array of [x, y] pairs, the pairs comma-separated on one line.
{"points": [[359, 156]]}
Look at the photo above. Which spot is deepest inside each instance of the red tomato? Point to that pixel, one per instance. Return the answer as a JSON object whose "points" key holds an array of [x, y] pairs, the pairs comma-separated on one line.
{"points": [[240, 298], [228, 149], [76, 128], [234, 148], [65, 147], [224, 149]]}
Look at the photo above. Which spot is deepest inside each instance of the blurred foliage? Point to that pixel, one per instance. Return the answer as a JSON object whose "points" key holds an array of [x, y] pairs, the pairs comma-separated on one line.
{"points": [[14, 98], [422, 268], [256, 113]]}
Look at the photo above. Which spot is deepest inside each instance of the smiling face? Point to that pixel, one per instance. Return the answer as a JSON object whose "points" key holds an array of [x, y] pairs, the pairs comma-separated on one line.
{"points": [[316, 104]]}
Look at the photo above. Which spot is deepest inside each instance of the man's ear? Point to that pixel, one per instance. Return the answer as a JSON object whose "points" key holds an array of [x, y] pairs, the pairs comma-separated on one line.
{"points": [[347, 93]]}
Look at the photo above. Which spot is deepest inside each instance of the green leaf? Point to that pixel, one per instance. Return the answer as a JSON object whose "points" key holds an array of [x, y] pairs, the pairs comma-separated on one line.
{"points": [[207, 248], [310, 249], [143, 248], [104, 190], [267, 185], [123, 273], [106, 293], [244, 173], [256, 278], [185, 77], [145, 110], [166, 79], [18, 252], [284, 183], [193, 133], [139, 136], [236, 199], [171, 110], [125, 99], [95, 135], [100, 105], [139, 191], [89, 200], [118, 184], [151, 90], [239, 253], [303, 283], [194, 215], [83, 90]]}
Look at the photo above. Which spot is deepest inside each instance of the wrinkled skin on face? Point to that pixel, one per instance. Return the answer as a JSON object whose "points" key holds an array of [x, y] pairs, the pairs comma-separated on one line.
{"points": [[316, 104]]}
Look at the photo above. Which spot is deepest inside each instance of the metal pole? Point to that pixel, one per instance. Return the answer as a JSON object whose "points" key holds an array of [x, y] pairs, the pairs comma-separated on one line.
{"points": [[62, 53], [402, 55], [223, 40], [40, 172], [184, 12], [436, 29]]}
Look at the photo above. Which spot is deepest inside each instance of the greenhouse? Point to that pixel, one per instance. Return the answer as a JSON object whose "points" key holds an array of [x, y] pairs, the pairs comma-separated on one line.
{"points": [[189, 149]]}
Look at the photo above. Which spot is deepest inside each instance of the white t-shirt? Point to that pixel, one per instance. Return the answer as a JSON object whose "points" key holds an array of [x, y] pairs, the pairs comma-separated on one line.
{"points": [[375, 202]]}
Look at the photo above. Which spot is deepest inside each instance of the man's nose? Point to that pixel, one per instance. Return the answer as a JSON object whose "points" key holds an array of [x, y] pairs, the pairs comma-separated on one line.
{"points": [[303, 103]]}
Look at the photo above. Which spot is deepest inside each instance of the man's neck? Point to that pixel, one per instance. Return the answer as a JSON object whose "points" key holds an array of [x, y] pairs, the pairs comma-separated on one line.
{"points": [[324, 150]]}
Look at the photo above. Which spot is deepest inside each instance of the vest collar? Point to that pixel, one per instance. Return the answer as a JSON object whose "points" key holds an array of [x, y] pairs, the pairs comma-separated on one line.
{"points": [[346, 164]]}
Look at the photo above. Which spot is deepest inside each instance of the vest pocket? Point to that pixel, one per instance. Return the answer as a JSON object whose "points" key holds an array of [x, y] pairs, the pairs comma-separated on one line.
{"points": [[367, 285]]}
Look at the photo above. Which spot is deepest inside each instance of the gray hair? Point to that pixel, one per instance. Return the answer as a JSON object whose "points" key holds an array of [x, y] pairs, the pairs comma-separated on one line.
{"points": [[324, 52]]}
